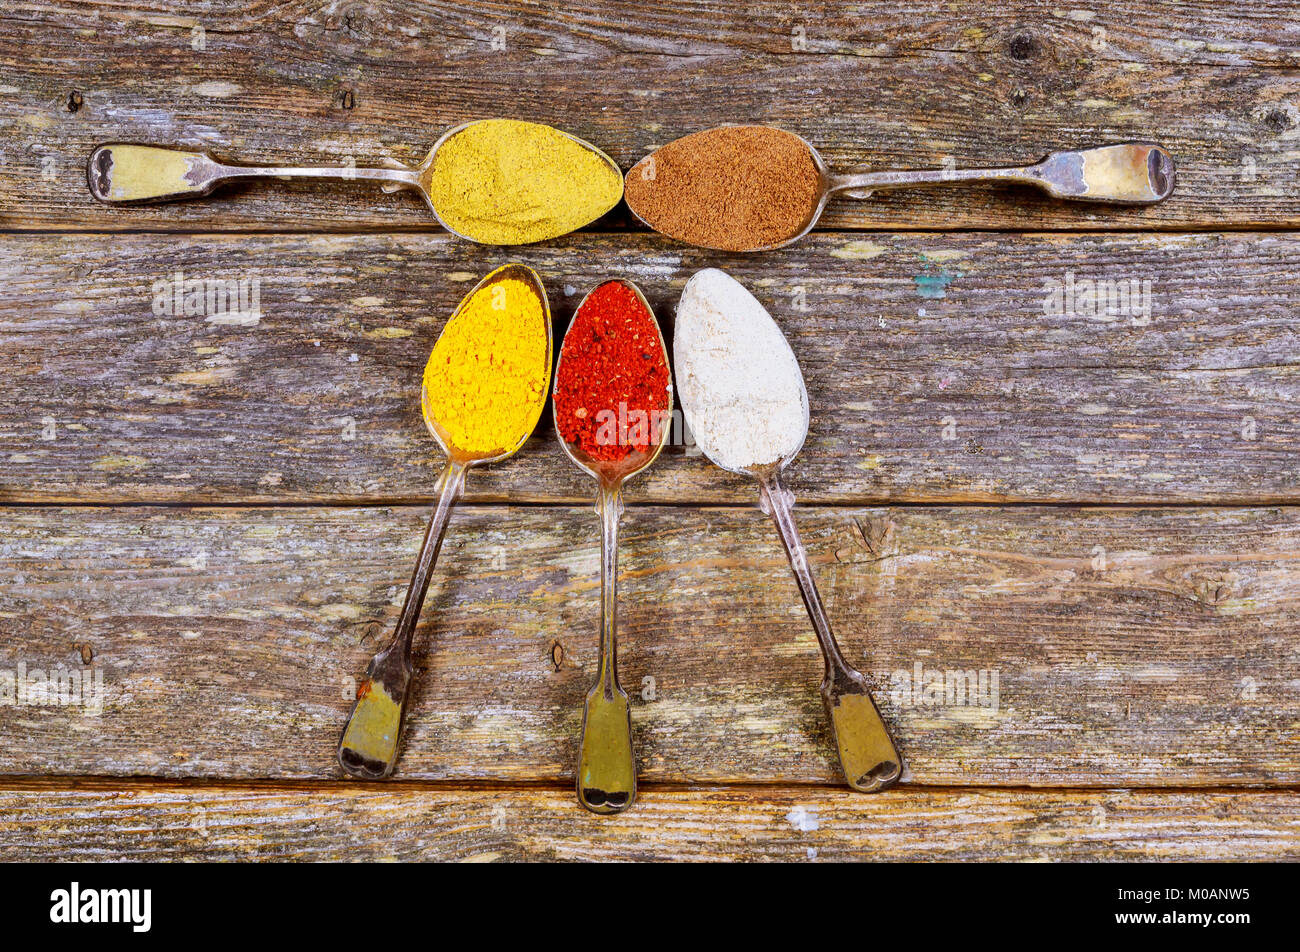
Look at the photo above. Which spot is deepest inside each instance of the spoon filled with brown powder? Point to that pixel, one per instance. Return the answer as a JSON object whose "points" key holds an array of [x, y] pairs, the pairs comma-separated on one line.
{"points": [[734, 188], [754, 188]]}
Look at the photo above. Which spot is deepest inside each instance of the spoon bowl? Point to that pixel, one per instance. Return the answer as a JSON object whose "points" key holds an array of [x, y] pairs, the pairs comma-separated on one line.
{"points": [[616, 471], [439, 433], [424, 173], [1128, 173]]}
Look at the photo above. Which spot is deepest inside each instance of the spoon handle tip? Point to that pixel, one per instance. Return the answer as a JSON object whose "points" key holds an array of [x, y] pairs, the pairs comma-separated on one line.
{"points": [[870, 760], [606, 766], [368, 747], [120, 173]]}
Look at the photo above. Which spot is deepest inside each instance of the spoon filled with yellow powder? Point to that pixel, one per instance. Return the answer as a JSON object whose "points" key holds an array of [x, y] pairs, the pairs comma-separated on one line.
{"points": [[484, 388], [494, 181]]}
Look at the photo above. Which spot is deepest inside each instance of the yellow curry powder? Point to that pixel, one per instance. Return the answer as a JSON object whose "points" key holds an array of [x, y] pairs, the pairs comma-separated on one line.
{"points": [[505, 182], [485, 383]]}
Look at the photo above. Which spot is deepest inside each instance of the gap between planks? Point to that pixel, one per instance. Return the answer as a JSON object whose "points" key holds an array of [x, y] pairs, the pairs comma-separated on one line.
{"points": [[141, 783], [565, 502]]}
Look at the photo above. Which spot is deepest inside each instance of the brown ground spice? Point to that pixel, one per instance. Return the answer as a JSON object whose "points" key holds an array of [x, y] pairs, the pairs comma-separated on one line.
{"points": [[735, 188]]}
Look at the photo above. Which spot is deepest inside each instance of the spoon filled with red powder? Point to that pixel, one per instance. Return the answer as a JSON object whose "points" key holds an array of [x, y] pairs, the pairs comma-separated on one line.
{"points": [[613, 402]]}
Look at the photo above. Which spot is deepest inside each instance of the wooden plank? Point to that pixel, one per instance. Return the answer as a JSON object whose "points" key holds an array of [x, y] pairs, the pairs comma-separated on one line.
{"points": [[1131, 647], [975, 395], [405, 822], [328, 83]]}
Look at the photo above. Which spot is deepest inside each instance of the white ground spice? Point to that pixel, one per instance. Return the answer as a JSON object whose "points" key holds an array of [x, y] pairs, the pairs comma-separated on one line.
{"points": [[738, 380]]}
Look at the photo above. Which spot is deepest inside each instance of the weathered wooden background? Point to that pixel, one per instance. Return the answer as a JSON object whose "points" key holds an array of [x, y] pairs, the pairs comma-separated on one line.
{"points": [[220, 518]]}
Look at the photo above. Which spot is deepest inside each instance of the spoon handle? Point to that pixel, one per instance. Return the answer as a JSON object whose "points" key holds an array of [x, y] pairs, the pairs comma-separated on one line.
{"points": [[123, 173], [607, 766], [368, 747], [1131, 173], [867, 753]]}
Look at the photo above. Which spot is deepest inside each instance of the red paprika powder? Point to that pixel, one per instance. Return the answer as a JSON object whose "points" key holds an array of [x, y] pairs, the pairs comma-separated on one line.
{"points": [[611, 383]]}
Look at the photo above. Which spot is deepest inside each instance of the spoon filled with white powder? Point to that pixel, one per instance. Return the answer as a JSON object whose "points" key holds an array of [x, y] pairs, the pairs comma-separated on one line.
{"points": [[745, 402]]}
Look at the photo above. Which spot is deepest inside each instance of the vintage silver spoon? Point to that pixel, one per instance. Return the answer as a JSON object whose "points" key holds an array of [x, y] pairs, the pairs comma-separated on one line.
{"points": [[607, 764], [1129, 173], [718, 394], [123, 173], [368, 746]]}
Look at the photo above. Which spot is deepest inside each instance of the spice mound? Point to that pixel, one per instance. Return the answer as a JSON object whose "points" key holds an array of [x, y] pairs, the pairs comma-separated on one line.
{"points": [[611, 383], [505, 182], [739, 382], [485, 383], [734, 188]]}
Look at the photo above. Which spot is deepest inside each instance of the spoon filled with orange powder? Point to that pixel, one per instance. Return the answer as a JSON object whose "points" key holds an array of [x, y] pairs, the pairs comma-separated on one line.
{"points": [[613, 408]]}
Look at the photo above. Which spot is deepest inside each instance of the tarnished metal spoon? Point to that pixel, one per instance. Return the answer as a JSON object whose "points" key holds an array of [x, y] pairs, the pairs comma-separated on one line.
{"points": [[607, 764], [1128, 173], [368, 747], [867, 753], [124, 173]]}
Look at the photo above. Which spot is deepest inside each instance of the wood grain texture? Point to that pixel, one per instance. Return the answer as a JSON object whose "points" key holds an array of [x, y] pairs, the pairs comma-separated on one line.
{"points": [[1151, 647], [352, 823], [975, 395], [1132, 647], [354, 80]]}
